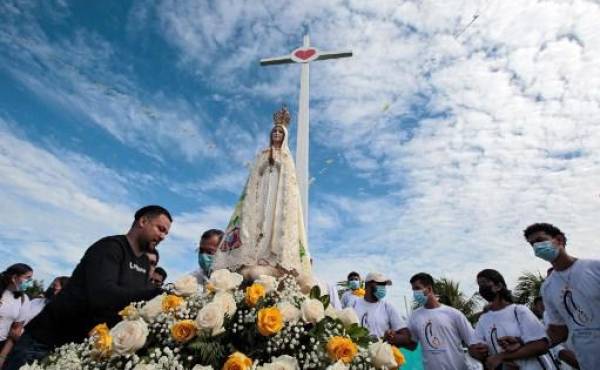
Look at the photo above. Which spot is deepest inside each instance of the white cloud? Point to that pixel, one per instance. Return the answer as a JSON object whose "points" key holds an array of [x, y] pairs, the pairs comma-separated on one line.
{"points": [[77, 73]]}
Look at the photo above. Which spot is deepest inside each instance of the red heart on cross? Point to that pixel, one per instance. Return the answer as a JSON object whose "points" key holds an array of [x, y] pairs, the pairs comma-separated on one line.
{"points": [[304, 54]]}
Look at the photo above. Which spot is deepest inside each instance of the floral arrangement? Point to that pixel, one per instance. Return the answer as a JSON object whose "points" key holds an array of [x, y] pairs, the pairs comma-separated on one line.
{"points": [[268, 325]]}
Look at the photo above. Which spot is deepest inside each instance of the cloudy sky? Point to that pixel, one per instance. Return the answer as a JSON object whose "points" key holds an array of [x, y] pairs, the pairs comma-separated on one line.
{"points": [[454, 125]]}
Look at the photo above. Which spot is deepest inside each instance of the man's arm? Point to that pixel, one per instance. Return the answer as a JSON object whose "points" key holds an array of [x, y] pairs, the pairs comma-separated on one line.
{"points": [[5, 350], [557, 334], [102, 267], [569, 358], [529, 350], [401, 338]]}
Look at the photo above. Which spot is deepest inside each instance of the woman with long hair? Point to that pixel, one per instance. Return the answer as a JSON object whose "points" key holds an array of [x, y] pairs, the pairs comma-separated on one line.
{"points": [[509, 336], [14, 281]]}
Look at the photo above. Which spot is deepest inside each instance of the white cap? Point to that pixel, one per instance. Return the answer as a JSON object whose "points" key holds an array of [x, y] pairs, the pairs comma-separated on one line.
{"points": [[378, 278]]}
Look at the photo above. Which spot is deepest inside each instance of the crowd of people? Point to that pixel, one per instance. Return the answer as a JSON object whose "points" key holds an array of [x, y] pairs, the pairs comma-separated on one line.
{"points": [[561, 330]]}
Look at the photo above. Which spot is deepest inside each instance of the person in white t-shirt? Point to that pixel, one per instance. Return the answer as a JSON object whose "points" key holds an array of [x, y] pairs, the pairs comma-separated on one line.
{"points": [[207, 247], [378, 315], [571, 294], [14, 305], [354, 290], [561, 353], [441, 330], [36, 305], [508, 335]]}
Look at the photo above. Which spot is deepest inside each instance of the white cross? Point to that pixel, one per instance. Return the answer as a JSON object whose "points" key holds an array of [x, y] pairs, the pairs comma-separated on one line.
{"points": [[304, 55]]}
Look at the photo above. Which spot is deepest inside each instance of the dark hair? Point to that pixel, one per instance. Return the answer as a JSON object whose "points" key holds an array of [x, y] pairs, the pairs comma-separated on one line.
{"points": [[271, 159], [154, 252], [423, 277], [537, 299], [151, 212], [549, 229], [13, 270], [353, 274], [63, 281], [161, 271], [497, 278], [210, 233]]}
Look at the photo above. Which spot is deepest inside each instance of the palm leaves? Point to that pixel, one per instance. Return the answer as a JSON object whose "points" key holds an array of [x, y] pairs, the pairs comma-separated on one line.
{"points": [[450, 294], [528, 287]]}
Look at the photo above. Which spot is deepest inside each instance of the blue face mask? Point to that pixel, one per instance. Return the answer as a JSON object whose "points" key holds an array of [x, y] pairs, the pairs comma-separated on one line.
{"points": [[24, 285], [205, 261], [379, 292], [354, 284], [545, 250], [419, 297]]}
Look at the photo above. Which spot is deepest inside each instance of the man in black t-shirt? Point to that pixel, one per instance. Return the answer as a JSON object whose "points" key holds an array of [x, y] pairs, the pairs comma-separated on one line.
{"points": [[113, 272]]}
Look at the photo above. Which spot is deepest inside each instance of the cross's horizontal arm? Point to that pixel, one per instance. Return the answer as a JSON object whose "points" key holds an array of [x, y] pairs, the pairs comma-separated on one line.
{"points": [[334, 55], [278, 60]]}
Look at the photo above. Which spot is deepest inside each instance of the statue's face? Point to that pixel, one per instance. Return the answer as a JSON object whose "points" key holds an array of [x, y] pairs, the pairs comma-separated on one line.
{"points": [[277, 135]]}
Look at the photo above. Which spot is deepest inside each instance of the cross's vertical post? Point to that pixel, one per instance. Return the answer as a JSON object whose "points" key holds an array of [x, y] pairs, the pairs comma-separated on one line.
{"points": [[302, 138]]}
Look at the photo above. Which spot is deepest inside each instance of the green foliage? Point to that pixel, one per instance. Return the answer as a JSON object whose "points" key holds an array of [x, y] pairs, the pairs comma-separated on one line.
{"points": [[450, 294], [528, 287], [209, 350], [315, 293], [36, 290], [359, 335]]}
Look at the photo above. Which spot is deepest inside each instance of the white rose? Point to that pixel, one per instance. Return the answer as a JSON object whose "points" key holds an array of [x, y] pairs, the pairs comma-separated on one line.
{"points": [[382, 356], [306, 282], [312, 311], [283, 362], [210, 318], [200, 367], [289, 312], [129, 336], [269, 282], [338, 366], [331, 312], [185, 286], [226, 301], [347, 316], [152, 308], [224, 280]]}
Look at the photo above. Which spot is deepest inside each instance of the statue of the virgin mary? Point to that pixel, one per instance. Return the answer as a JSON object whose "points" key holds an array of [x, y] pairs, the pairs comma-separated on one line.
{"points": [[266, 232]]}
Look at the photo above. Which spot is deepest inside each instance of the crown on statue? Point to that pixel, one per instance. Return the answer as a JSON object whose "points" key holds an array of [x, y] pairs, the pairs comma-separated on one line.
{"points": [[282, 117]]}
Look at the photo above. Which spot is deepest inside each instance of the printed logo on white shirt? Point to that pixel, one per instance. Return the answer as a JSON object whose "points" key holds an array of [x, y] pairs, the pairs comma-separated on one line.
{"points": [[431, 338], [579, 312]]}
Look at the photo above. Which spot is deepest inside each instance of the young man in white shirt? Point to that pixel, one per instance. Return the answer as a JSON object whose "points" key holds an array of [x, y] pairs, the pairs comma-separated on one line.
{"points": [[441, 330], [571, 294], [377, 314]]}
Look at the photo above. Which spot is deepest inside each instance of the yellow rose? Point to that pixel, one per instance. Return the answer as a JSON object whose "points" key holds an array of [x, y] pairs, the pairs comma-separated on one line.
{"points": [[341, 348], [101, 340], [269, 321], [237, 361], [254, 293], [398, 356], [209, 287], [129, 312], [171, 303], [184, 330], [360, 292]]}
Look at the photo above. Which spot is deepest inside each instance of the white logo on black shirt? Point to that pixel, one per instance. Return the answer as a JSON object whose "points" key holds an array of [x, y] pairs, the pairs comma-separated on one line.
{"points": [[134, 266]]}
